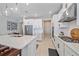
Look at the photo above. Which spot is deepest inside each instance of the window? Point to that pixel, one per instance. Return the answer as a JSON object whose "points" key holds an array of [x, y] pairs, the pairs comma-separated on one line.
{"points": [[11, 25]]}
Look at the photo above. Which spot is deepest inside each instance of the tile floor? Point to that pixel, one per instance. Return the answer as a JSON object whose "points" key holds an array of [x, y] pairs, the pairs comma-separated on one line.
{"points": [[43, 46]]}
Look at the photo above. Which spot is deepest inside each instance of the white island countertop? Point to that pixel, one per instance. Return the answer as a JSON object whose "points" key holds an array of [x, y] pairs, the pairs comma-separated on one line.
{"points": [[16, 42]]}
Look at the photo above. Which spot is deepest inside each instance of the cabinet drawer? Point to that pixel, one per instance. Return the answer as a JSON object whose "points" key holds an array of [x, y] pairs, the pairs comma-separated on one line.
{"points": [[70, 52]]}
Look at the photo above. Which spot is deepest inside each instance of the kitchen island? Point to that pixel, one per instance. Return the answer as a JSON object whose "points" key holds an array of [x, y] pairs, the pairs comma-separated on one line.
{"points": [[26, 43]]}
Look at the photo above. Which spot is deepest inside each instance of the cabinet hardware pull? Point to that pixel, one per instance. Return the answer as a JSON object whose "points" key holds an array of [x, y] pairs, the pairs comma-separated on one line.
{"points": [[58, 46]]}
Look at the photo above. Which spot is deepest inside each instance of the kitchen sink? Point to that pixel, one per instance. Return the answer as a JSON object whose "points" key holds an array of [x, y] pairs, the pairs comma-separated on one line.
{"points": [[17, 36]]}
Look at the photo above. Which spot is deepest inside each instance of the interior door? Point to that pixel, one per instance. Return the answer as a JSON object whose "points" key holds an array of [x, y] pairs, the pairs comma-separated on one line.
{"points": [[47, 27]]}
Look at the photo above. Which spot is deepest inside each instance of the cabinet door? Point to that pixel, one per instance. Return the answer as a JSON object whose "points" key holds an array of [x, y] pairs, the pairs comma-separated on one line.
{"points": [[30, 49], [77, 13], [69, 52], [56, 42], [59, 46]]}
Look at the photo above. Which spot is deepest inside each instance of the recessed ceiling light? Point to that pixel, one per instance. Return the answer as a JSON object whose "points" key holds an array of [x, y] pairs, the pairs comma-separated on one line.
{"points": [[50, 12], [35, 14], [6, 12], [11, 8], [16, 8], [27, 4]]}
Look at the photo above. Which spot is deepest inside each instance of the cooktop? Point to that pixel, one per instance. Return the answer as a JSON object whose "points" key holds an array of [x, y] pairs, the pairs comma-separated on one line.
{"points": [[68, 39]]}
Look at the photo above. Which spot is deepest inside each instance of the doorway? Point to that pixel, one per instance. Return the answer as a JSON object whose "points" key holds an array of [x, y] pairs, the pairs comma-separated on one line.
{"points": [[47, 27]]}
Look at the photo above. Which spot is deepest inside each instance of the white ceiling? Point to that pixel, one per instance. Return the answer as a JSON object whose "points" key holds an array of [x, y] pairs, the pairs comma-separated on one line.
{"points": [[30, 10]]}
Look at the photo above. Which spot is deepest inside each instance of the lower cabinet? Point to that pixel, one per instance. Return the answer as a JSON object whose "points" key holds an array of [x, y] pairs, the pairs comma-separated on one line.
{"points": [[59, 46], [69, 52], [63, 49], [30, 49]]}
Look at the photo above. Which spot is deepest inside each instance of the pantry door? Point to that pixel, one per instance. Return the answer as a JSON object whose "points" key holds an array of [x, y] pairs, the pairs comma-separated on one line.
{"points": [[47, 27]]}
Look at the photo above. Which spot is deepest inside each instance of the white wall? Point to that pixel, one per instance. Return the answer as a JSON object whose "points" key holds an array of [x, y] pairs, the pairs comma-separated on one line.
{"points": [[56, 25], [3, 24]]}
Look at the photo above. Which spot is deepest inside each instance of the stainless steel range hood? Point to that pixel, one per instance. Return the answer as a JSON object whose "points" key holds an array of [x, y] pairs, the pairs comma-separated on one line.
{"points": [[67, 19], [70, 14]]}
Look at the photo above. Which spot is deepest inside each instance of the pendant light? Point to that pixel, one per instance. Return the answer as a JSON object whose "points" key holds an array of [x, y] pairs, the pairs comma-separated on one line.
{"points": [[66, 9], [27, 4], [67, 12], [16, 7], [6, 12]]}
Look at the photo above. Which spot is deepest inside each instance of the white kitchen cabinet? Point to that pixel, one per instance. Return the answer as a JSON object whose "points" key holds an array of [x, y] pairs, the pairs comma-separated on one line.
{"points": [[30, 49], [59, 46], [56, 24], [27, 44], [69, 51], [64, 25], [55, 42], [77, 13], [62, 48]]}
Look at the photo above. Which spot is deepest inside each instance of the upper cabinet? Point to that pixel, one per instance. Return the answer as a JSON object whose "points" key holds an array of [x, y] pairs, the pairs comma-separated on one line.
{"points": [[70, 12], [77, 13], [63, 25]]}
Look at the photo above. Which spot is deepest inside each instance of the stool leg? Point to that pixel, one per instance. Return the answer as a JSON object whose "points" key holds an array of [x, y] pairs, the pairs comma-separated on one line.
{"points": [[20, 53]]}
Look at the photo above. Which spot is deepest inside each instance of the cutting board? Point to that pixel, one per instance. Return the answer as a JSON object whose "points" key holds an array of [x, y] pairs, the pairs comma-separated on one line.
{"points": [[75, 33]]}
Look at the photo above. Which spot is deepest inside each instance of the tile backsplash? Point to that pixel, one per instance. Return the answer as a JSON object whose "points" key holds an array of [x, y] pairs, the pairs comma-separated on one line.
{"points": [[72, 24]]}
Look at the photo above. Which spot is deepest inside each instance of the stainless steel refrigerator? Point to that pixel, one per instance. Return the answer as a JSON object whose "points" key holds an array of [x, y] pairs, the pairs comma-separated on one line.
{"points": [[28, 29]]}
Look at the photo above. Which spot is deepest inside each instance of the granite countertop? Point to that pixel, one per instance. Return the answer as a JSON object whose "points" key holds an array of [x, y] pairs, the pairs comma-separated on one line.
{"points": [[73, 46], [16, 42]]}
